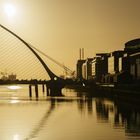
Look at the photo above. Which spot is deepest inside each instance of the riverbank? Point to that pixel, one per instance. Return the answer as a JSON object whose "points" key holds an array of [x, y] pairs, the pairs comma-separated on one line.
{"points": [[126, 89], [125, 92]]}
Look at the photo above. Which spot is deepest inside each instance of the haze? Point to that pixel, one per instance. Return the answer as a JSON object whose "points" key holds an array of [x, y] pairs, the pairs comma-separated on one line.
{"points": [[60, 27]]}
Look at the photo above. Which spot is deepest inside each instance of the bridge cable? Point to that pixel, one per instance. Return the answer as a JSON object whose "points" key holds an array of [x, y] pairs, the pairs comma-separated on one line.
{"points": [[56, 62]]}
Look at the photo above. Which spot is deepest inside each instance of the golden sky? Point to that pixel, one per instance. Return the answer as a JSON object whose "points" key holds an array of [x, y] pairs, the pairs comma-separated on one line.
{"points": [[61, 27]]}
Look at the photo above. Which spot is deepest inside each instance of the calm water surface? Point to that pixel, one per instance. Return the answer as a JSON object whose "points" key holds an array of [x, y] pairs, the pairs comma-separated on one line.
{"points": [[72, 117]]}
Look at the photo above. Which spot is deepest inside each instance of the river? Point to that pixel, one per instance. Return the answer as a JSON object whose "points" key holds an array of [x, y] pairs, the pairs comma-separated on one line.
{"points": [[74, 116]]}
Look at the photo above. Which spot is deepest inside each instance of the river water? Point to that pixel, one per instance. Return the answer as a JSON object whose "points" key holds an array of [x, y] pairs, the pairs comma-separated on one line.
{"points": [[75, 116]]}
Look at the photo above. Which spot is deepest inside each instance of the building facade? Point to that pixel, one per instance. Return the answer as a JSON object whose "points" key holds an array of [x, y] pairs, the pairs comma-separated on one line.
{"points": [[122, 66], [135, 66], [79, 69], [87, 69]]}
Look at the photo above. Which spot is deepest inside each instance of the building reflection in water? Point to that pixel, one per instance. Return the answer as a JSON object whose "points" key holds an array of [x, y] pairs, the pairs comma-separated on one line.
{"points": [[130, 114], [85, 105], [121, 114], [102, 110]]}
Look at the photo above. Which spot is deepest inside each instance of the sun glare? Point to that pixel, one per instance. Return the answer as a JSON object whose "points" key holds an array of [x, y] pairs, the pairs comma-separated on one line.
{"points": [[16, 137], [10, 10], [14, 87]]}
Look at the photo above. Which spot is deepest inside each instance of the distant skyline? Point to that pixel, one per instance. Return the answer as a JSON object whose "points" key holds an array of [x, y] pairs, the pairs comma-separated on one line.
{"points": [[60, 27]]}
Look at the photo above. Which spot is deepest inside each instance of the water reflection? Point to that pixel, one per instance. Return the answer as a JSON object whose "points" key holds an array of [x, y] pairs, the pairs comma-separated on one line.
{"points": [[102, 110], [85, 104], [78, 115], [130, 114], [121, 114], [42, 122]]}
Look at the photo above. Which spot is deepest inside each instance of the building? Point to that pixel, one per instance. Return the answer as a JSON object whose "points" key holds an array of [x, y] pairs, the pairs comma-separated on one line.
{"points": [[122, 66], [79, 69], [101, 66], [79, 65], [115, 62], [87, 69], [131, 59], [132, 46], [135, 66], [10, 77], [114, 66], [94, 67]]}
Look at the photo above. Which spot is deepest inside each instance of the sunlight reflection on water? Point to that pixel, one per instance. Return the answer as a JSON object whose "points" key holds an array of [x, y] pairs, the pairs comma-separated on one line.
{"points": [[14, 101], [14, 87]]}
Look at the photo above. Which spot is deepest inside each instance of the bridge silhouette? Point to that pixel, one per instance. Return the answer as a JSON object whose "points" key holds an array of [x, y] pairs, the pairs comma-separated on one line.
{"points": [[54, 85]]}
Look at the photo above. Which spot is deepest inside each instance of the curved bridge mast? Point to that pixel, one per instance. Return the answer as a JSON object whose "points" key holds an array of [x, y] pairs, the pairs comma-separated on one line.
{"points": [[50, 73]]}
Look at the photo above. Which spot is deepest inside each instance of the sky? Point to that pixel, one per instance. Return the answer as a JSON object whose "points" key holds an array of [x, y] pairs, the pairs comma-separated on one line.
{"points": [[60, 27]]}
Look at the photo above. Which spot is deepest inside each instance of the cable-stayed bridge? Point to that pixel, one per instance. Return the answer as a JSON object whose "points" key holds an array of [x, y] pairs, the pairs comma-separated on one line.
{"points": [[21, 58]]}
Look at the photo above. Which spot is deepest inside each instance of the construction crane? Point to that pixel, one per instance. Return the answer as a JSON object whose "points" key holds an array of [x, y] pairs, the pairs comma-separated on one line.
{"points": [[68, 71], [4, 74]]}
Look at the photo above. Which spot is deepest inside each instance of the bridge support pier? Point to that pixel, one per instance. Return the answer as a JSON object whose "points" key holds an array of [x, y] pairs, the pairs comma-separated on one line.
{"points": [[43, 88], [54, 87], [30, 91], [47, 91], [36, 90], [55, 91]]}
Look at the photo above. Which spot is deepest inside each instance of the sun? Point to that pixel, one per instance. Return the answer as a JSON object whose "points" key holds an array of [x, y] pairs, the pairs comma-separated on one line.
{"points": [[10, 10]]}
